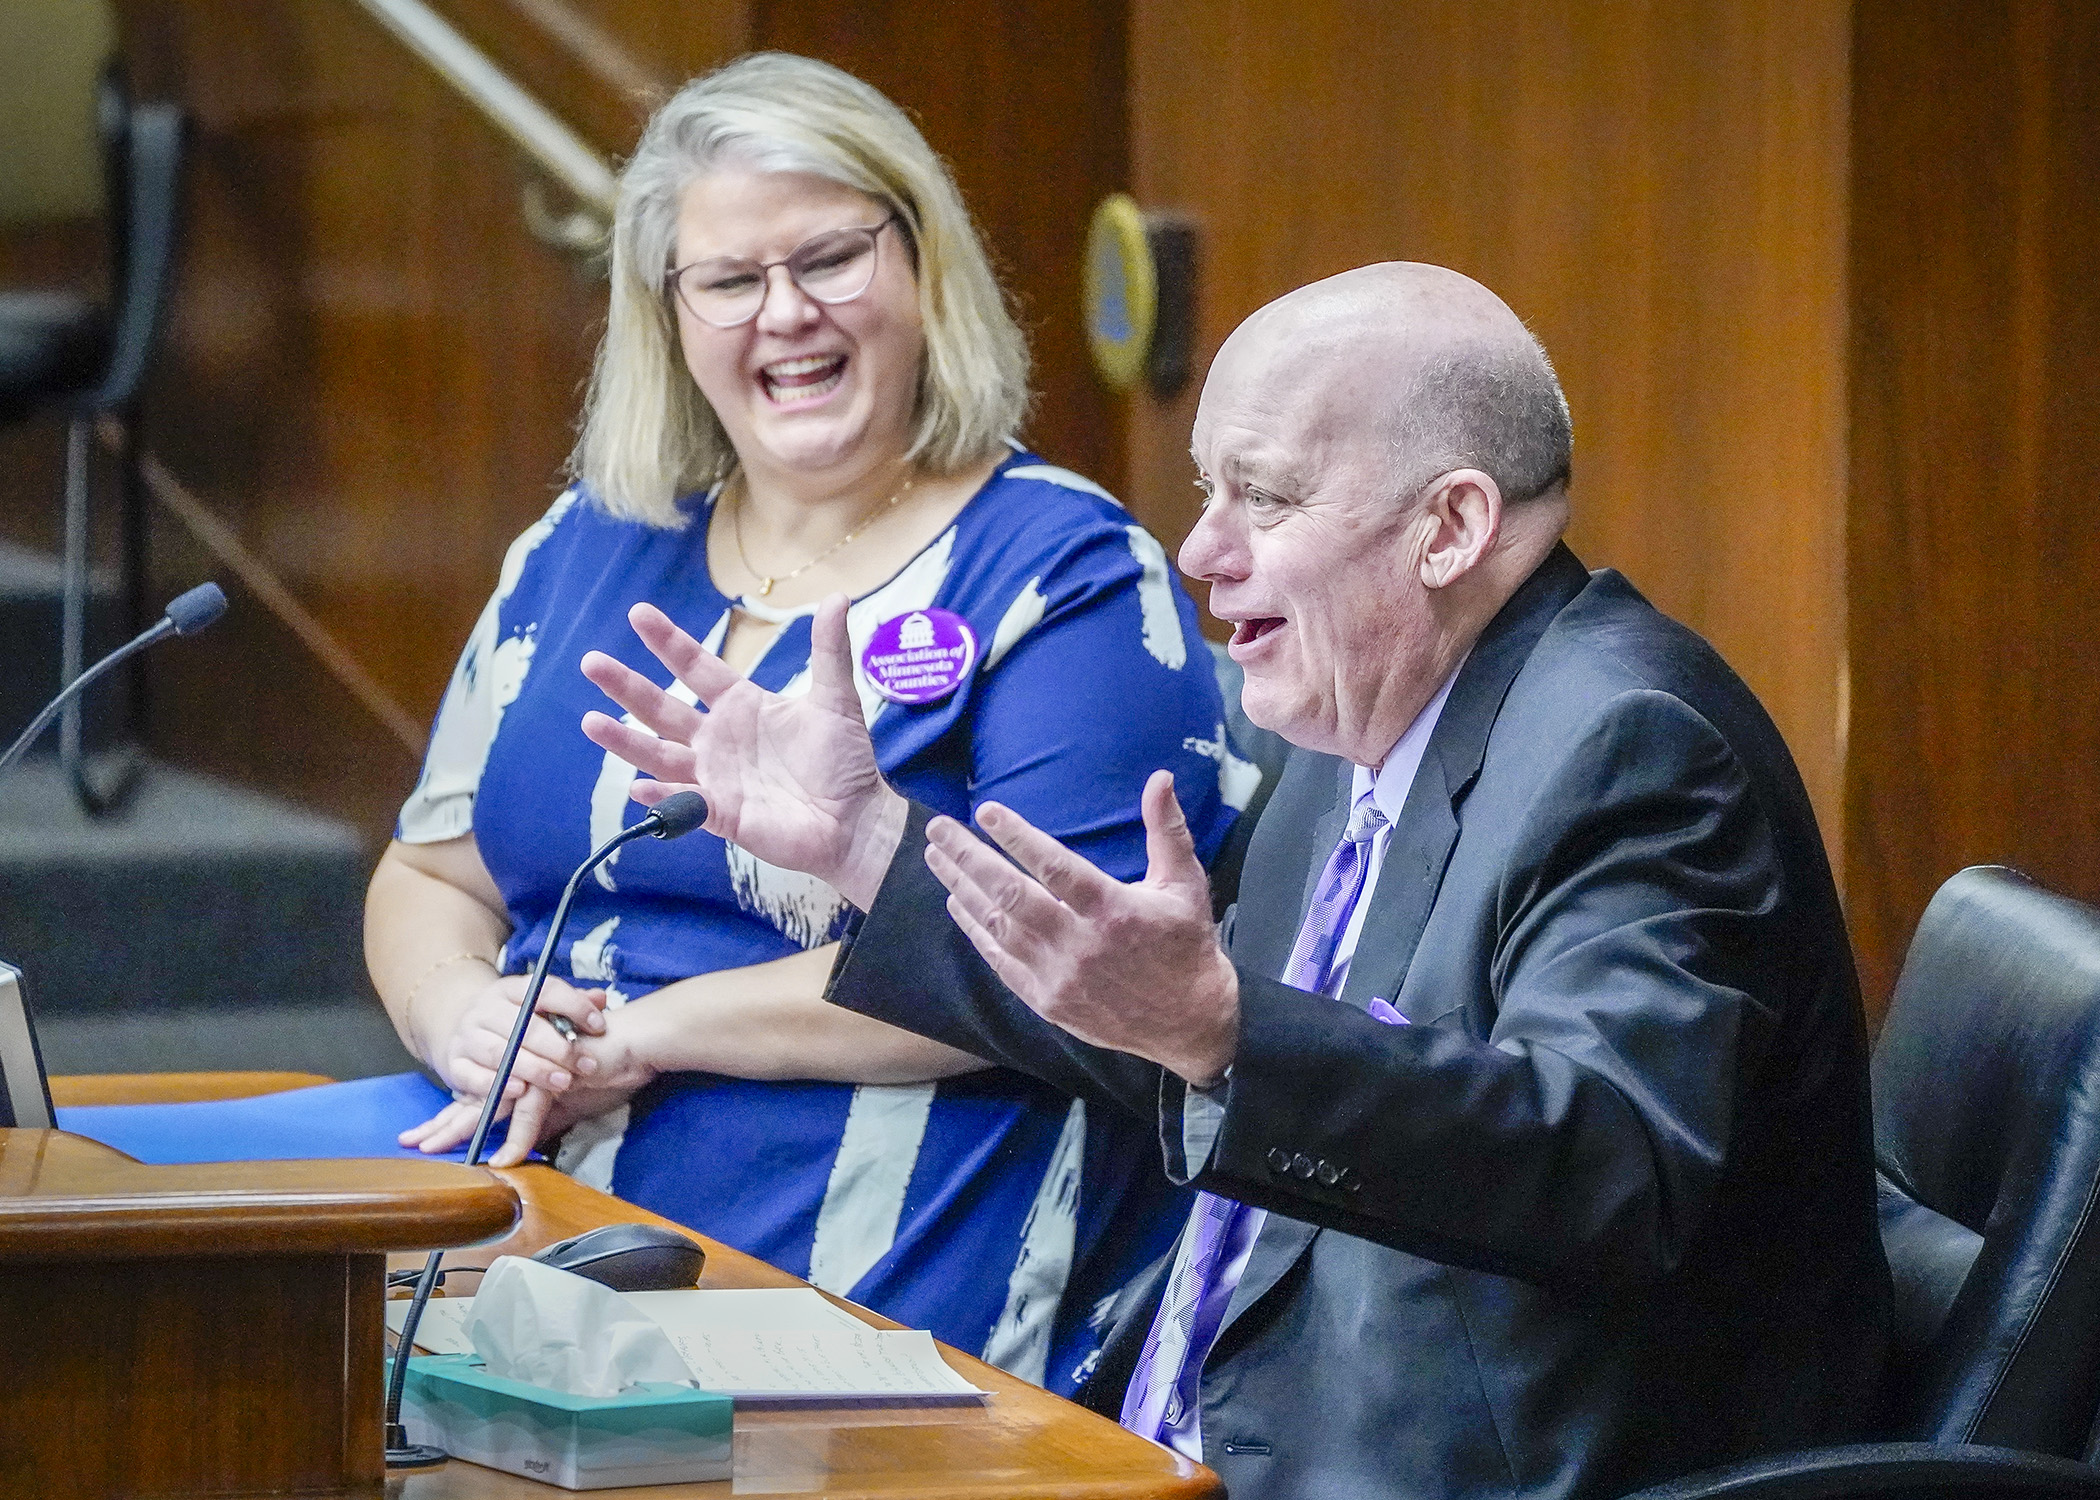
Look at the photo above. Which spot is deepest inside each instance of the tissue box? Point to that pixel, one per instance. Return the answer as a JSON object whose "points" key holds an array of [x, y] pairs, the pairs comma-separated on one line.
{"points": [[653, 1434]]}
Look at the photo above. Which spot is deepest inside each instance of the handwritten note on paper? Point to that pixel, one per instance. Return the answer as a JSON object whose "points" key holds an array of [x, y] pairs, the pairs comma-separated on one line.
{"points": [[770, 1345], [443, 1328], [772, 1309], [866, 1364]]}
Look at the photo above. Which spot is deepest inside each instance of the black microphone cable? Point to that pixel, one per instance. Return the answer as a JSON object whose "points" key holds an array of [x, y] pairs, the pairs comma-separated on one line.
{"points": [[680, 813], [186, 614]]}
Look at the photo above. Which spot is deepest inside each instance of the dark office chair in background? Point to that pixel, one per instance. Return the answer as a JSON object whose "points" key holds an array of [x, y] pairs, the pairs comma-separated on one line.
{"points": [[62, 351], [1987, 1136]]}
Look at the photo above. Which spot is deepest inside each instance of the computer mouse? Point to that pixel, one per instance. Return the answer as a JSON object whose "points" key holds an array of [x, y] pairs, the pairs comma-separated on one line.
{"points": [[630, 1257]]}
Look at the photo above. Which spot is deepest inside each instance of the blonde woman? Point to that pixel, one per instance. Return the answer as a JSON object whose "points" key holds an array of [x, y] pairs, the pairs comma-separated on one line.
{"points": [[807, 386]]}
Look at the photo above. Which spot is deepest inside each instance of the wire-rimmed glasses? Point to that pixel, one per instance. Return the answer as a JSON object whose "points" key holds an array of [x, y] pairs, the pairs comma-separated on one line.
{"points": [[727, 291]]}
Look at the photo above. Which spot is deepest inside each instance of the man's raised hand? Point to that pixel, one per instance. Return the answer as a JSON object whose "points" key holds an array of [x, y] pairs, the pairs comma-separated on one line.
{"points": [[1134, 967], [791, 780]]}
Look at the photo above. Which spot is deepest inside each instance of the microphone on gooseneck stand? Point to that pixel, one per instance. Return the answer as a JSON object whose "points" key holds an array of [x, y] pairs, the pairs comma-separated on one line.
{"points": [[677, 814], [186, 615]]}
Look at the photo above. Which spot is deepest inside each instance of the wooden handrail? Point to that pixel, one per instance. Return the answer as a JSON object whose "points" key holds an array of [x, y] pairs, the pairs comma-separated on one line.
{"points": [[595, 49], [220, 540], [532, 127]]}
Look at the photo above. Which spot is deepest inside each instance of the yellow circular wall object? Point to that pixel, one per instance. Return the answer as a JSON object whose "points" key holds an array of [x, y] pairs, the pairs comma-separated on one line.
{"points": [[1122, 291]]}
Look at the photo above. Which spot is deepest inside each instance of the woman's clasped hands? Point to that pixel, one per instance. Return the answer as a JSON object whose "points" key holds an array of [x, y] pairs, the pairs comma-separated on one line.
{"points": [[558, 1078]]}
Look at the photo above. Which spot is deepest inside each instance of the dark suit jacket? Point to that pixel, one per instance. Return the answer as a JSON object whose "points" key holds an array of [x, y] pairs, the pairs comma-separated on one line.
{"points": [[1604, 1213]]}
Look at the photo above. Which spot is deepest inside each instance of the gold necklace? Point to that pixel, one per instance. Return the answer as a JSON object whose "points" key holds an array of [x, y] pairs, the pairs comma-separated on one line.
{"points": [[765, 584]]}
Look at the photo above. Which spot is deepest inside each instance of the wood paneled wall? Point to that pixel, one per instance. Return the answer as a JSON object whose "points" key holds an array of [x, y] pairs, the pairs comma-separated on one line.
{"points": [[1658, 190], [1975, 358], [373, 371], [1819, 278], [1026, 100], [1823, 283], [370, 373]]}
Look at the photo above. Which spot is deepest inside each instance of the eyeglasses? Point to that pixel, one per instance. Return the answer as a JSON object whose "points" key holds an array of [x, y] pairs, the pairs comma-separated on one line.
{"points": [[727, 291]]}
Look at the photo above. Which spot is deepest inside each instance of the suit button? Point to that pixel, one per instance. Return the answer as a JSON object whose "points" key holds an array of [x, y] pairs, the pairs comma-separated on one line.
{"points": [[1301, 1166], [1327, 1172], [1347, 1180], [1279, 1159]]}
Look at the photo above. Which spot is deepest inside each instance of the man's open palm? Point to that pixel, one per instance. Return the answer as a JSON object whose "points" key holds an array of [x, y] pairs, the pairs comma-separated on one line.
{"points": [[1135, 967]]}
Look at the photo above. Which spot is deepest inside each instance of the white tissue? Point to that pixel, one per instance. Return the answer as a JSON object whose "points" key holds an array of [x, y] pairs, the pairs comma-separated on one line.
{"points": [[565, 1332]]}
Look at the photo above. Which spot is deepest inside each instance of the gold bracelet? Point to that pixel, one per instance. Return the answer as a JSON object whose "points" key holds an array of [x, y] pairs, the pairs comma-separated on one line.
{"points": [[408, 1002]]}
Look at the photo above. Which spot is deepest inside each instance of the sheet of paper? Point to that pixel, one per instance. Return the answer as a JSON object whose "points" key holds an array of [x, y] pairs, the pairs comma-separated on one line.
{"points": [[443, 1329], [801, 1366], [724, 1309], [782, 1309], [772, 1344]]}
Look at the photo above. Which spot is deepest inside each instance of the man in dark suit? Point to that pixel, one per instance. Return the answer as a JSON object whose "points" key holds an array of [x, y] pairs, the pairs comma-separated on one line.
{"points": [[1527, 1083]]}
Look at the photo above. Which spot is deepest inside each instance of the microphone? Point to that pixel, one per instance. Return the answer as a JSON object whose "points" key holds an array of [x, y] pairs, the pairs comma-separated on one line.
{"points": [[189, 613], [186, 615], [680, 813]]}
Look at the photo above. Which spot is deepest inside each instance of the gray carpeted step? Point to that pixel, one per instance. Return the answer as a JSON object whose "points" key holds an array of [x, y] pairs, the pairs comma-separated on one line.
{"points": [[347, 1039], [195, 897], [31, 608]]}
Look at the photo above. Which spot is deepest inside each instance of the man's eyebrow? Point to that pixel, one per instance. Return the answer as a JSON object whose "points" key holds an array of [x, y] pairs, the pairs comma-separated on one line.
{"points": [[1276, 478], [1274, 475]]}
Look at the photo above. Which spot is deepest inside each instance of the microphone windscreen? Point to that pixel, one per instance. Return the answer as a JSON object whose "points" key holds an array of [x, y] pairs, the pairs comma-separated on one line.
{"points": [[192, 611], [679, 813]]}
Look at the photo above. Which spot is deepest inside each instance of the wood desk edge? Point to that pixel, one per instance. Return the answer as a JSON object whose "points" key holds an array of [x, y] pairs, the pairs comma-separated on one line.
{"points": [[541, 1206], [63, 1197], [73, 1091], [557, 1206]]}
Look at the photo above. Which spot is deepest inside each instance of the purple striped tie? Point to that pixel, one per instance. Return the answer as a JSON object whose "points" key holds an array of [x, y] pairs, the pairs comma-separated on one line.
{"points": [[1193, 1305]]}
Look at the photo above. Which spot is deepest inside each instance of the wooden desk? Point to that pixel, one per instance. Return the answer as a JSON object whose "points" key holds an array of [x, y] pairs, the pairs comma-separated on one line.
{"points": [[173, 1088], [1023, 1442], [214, 1329]]}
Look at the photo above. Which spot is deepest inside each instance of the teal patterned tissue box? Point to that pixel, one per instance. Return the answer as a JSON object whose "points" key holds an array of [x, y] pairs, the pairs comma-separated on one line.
{"points": [[653, 1434]]}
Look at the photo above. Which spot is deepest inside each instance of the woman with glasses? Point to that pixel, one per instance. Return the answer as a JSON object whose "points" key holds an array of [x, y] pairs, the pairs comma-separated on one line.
{"points": [[809, 385]]}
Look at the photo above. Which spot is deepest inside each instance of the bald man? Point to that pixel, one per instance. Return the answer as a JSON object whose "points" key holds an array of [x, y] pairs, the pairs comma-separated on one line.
{"points": [[1526, 1079]]}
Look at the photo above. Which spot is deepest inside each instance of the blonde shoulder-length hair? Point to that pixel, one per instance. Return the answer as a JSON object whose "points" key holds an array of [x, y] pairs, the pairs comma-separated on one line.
{"points": [[648, 435]]}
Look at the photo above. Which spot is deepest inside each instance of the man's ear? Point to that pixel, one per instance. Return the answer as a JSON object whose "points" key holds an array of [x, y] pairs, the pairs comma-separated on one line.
{"points": [[1462, 514]]}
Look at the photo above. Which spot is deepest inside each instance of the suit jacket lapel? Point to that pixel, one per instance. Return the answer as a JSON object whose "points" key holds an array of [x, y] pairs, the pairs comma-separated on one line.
{"points": [[1413, 872], [1276, 1250], [1419, 849], [1415, 860]]}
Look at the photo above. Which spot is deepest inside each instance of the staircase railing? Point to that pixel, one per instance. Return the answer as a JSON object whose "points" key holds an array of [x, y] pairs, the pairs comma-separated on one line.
{"points": [[535, 130], [563, 158]]}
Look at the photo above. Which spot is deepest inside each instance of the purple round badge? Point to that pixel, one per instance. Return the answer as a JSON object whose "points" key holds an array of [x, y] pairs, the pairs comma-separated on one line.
{"points": [[921, 657]]}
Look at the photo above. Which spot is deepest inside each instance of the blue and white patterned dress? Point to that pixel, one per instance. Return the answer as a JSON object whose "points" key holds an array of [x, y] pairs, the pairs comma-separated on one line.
{"points": [[988, 1208]]}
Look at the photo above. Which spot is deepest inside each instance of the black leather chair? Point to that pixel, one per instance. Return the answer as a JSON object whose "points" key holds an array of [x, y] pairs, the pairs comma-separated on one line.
{"points": [[62, 351], [1987, 1135]]}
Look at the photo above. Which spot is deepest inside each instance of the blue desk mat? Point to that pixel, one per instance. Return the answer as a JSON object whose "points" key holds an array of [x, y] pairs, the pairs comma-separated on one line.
{"points": [[360, 1118]]}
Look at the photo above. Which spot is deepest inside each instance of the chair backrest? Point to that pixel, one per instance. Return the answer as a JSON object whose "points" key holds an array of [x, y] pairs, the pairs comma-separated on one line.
{"points": [[58, 348], [144, 146], [113, 134], [1987, 1135]]}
